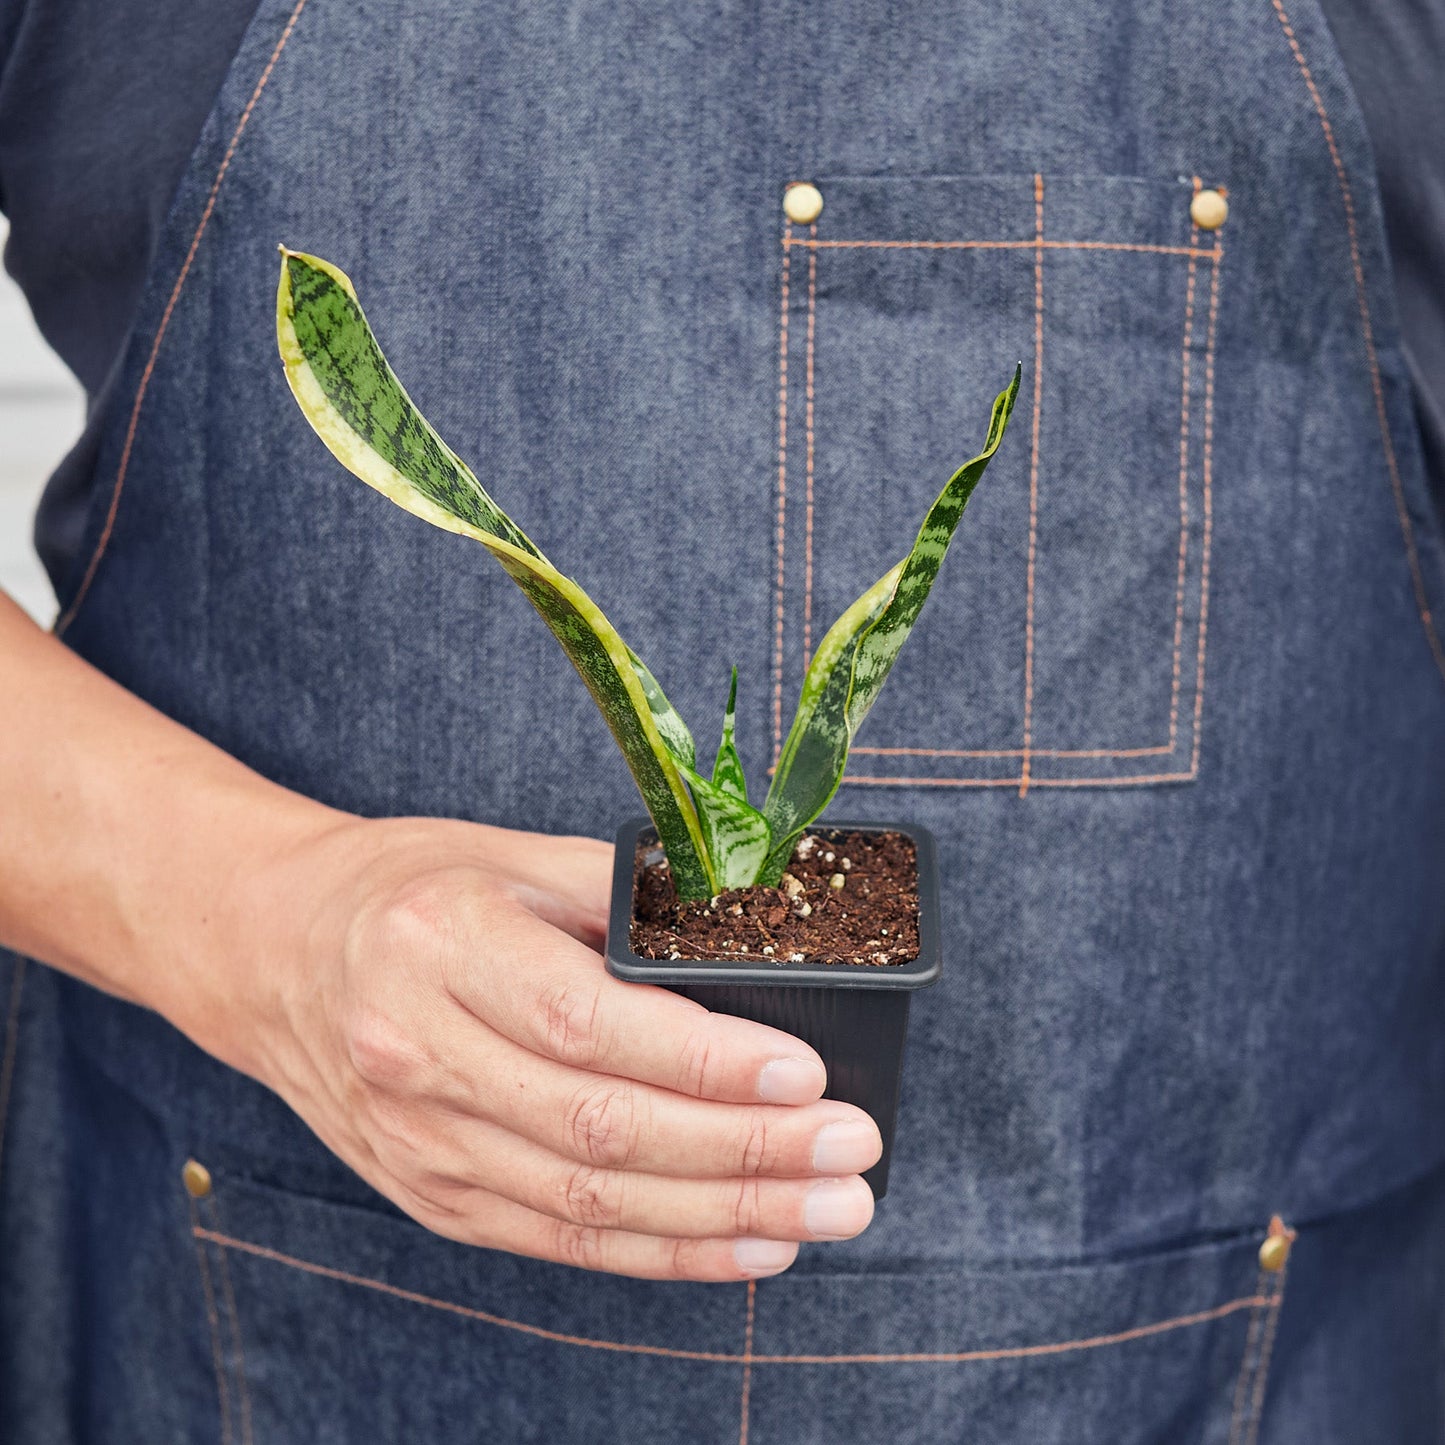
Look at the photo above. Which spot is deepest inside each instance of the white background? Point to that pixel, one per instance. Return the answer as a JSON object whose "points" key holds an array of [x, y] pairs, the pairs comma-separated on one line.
{"points": [[42, 409]]}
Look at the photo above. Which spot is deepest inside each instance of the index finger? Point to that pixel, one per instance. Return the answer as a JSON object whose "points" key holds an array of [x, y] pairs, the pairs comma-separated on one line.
{"points": [[554, 996]]}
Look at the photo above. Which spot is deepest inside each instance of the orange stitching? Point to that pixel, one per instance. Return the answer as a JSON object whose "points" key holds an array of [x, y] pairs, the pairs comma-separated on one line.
{"points": [[1017, 782], [1026, 1352], [1216, 253], [1256, 1404], [145, 380], [1015, 1352], [1208, 512], [1159, 751], [1034, 478], [1183, 490], [1028, 751], [1246, 1364], [341, 1276], [1422, 601], [782, 506], [12, 1047], [1027, 778], [993, 246], [242, 1389], [808, 429], [748, 1361], [222, 1394]]}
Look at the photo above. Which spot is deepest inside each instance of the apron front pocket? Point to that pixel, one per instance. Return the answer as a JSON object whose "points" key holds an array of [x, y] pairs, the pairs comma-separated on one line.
{"points": [[1065, 643], [334, 1322]]}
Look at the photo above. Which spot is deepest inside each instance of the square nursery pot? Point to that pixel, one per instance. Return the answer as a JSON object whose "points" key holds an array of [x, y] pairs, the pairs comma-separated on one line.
{"points": [[854, 1015]]}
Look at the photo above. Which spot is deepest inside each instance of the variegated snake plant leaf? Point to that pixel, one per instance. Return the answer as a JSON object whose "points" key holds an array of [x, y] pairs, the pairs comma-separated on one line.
{"points": [[854, 658], [714, 838], [353, 400], [727, 768]]}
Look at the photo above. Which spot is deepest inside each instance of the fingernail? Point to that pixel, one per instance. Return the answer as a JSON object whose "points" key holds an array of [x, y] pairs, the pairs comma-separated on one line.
{"points": [[791, 1081], [764, 1256], [848, 1147], [837, 1208]]}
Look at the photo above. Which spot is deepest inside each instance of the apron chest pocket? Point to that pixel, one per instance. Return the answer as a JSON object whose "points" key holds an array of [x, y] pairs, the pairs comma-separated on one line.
{"points": [[1066, 638]]}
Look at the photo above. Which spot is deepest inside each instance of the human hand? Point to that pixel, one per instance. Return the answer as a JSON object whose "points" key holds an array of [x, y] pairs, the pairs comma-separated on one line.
{"points": [[435, 1008]]}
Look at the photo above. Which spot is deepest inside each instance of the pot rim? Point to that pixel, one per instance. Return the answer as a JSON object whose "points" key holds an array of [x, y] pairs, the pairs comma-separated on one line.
{"points": [[623, 963]]}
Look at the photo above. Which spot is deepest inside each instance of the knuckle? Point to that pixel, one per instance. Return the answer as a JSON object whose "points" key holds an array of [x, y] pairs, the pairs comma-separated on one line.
{"points": [[440, 1214], [747, 1206], [757, 1148], [429, 1208], [601, 1124], [590, 1197], [381, 1052], [582, 1246], [418, 916], [569, 1022], [397, 1129], [688, 1259], [696, 1064]]}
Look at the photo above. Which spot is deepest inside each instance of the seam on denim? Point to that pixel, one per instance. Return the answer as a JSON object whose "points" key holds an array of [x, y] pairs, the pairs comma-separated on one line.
{"points": [[747, 1363], [1216, 254], [243, 1390], [1031, 245], [465, 1311], [73, 610], [1027, 1352], [1246, 1362], [1028, 752], [781, 534], [1208, 538], [12, 1049], [1261, 1379], [1161, 750], [808, 531], [1013, 1352], [1034, 782], [1367, 329], [1024, 766], [1183, 488], [223, 1398], [808, 432]]}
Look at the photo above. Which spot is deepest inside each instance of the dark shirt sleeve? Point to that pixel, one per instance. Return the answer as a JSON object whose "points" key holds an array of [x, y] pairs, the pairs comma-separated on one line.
{"points": [[1394, 51], [101, 103]]}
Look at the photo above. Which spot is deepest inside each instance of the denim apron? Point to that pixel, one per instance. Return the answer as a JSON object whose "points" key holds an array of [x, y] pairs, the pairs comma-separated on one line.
{"points": [[1175, 712]]}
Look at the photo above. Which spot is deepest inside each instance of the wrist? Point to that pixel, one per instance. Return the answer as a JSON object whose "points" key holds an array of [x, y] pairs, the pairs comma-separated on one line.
{"points": [[234, 950]]}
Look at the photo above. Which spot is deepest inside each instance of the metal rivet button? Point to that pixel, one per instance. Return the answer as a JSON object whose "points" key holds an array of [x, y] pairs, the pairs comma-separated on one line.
{"points": [[802, 203], [1274, 1252], [197, 1179], [1209, 210]]}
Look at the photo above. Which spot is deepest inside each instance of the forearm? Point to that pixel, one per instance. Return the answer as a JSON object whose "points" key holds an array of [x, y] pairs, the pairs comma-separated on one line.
{"points": [[122, 831], [425, 994]]}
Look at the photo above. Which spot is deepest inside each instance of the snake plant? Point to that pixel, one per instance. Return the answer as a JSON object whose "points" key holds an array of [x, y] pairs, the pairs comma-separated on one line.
{"points": [[714, 838]]}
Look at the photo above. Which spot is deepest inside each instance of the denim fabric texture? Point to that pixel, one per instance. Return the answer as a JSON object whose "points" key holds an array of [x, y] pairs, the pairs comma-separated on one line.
{"points": [[1174, 712]]}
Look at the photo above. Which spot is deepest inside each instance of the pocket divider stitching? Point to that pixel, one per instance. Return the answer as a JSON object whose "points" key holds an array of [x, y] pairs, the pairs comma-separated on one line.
{"points": [[798, 238]]}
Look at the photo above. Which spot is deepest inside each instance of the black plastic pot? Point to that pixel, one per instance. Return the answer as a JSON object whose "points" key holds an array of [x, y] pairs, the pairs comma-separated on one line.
{"points": [[854, 1015]]}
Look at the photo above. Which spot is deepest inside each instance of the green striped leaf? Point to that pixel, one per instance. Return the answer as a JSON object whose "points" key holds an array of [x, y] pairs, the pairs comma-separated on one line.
{"points": [[727, 768], [810, 766], [882, 642], [357, 406], [355, 403], [854, 659], [669, 721], [737, 835]]}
